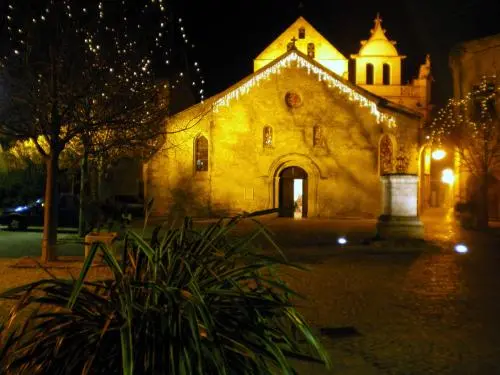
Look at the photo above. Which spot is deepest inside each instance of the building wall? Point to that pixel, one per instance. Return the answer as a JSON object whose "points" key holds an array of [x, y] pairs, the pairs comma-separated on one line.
{"points": [[243, 175], [471, 60], [415, 96], [325, 53]]}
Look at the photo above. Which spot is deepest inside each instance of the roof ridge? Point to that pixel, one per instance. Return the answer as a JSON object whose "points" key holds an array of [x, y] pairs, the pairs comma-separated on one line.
{"points": [[356, 93]]}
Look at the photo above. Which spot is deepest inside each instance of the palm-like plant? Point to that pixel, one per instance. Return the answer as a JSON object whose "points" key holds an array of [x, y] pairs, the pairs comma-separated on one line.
{"points": [[188, 302]]}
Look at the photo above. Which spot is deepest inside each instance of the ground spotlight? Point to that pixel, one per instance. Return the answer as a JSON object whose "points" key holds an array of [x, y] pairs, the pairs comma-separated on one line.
{"points": [[341, 240], [461, 248]]}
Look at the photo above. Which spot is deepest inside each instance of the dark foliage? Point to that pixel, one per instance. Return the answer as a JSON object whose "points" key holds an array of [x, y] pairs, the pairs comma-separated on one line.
{"points": [[188, 302]]}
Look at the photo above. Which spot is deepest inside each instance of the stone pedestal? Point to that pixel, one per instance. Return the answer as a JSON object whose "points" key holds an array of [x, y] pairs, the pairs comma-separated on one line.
{"points": [[107, 238], [399, 217]]}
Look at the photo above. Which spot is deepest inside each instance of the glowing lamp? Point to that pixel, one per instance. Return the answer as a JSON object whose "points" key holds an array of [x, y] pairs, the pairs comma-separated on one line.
{"points": [[341, 240], [448, 176], [438, 154], [461, 248]]}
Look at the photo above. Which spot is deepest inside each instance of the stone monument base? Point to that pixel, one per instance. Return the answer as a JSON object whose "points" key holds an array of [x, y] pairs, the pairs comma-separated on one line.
{"points": [[400, 227]]}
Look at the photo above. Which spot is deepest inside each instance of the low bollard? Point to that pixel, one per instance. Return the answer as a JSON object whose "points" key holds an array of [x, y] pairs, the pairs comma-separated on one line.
{"points": [[107, 238]]}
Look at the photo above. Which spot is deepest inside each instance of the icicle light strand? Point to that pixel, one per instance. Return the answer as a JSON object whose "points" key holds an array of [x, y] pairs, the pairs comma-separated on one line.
{"points": [[322, 76]]}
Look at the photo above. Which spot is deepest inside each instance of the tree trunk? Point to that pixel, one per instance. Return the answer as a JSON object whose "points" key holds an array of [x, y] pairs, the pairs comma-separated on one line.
{"points": [[99, 178], [83, 194], [93, 176], [51, 209], [482, 214]]}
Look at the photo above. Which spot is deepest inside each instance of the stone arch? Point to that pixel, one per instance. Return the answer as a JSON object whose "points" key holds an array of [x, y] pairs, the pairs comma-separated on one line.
{"points": [[386, 74], [387, 147], [370, 74], [302, 32], [304, 162]]}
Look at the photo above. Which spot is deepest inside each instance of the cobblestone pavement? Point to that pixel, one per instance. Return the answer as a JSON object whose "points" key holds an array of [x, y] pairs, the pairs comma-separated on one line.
{"points": [[417, 312], [431, 312]]}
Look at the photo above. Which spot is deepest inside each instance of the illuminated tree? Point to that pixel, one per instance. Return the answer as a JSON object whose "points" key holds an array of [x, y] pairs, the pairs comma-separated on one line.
{"points": [[471, 126], [74, 69]]}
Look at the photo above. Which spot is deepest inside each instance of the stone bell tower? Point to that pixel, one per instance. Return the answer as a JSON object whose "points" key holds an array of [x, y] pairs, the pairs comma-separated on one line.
{"points": [[378, 63], [378, 70]]}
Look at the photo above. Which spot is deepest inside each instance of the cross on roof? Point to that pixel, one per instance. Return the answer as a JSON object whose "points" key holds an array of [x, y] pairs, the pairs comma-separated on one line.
{"points": [[293, 40]]}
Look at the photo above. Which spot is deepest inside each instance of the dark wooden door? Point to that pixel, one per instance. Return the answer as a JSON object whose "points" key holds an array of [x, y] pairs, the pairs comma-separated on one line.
{"points": [[286, 197], [286, 185]]}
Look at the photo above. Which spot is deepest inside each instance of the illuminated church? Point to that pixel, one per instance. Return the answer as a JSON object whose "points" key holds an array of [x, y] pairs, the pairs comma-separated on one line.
{"points": [[296, 135]]}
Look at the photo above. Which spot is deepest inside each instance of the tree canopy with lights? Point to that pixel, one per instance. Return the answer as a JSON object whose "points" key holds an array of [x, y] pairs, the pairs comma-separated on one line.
{"points": [[88, 70], [471, 126]]}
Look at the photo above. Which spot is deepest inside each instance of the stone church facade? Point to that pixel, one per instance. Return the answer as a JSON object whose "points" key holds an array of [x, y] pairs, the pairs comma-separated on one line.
{"points": [[295, 135]]}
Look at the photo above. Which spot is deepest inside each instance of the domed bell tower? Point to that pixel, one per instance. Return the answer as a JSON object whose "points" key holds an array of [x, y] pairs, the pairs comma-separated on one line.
{"points": [[378, 63]]}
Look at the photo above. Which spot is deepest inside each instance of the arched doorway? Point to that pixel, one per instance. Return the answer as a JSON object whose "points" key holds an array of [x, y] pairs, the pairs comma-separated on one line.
{"points": [[293, 195]]}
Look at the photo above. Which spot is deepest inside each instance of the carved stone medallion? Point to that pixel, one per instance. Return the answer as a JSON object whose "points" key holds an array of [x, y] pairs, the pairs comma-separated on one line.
{"points": [[293, 100]]}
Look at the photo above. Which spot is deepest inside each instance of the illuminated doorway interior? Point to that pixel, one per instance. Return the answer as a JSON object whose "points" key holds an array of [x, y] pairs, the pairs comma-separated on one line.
{"points": [[297, 197], [293, 192]]}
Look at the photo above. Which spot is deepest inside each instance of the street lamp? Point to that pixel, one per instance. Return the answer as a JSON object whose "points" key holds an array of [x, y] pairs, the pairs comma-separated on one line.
{"points": [[447, 176], [438, 154]]}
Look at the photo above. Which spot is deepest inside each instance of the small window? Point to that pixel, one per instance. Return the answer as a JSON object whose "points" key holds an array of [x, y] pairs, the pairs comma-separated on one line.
{"points": [[369, 74], [317, 136], [302, 33], [310, 50], [386, 74], [267, 136], [201, 154]]}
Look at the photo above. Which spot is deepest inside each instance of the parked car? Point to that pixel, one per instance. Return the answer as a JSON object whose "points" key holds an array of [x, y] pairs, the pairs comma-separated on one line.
{"points": [[31, 214]]}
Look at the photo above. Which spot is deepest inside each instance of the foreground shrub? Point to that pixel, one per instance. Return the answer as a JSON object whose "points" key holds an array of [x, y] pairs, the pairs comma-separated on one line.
{"points": [[187, 302]]}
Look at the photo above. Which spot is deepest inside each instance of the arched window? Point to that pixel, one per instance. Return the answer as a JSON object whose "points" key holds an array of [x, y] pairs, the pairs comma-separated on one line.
{"points": [[302, 33], [267, 140], [369, 74], [317, 136], [386, 74], [310, 50], [201, 154], [386, 155]]}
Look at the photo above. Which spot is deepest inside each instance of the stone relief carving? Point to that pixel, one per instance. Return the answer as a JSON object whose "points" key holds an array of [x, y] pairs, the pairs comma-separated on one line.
{"points": [[386, 155], [268, 136]]}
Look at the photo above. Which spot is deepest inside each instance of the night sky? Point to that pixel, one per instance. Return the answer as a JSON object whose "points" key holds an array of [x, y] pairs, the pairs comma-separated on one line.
{"points": [[229, 34]]}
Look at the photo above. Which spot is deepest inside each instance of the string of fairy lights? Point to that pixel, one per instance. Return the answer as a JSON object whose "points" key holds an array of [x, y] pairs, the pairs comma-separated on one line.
{"points": [[131, 41], [294, 58], [461, 115]]}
